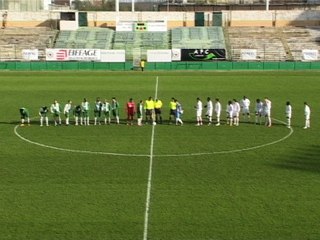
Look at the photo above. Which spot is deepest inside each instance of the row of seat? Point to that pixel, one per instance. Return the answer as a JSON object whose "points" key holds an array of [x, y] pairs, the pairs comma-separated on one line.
{"points": [[198, 37], [272, 44], [14, 40], [85, 38]]}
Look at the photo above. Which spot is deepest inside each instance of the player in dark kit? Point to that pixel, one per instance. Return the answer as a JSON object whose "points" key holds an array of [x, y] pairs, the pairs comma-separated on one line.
{"points": [[77, 114]]}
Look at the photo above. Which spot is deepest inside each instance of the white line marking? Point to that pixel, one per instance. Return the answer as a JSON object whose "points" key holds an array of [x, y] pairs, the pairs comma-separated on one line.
{"points": [[234, 150], [73, 150], [146, 215], [147, 155]]}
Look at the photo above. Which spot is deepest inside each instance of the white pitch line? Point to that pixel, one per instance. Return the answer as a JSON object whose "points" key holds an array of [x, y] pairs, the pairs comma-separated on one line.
{"points": [[74, 150], [234, 150], [146, 215], [154, 155]]}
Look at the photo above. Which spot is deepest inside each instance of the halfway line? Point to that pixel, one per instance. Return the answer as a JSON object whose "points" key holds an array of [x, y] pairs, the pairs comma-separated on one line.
{"points": [[146, 215]]}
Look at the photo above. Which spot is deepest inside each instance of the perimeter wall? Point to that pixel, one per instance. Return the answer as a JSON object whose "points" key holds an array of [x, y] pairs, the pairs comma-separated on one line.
{"points": [[127, 66]]}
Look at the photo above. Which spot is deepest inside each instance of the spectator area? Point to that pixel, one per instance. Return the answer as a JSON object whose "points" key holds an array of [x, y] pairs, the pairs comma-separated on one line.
{"points": [[14, 40], [271, 43], [97, 38], [301, 38], [266, 40], [198, 37], [136, 44]]}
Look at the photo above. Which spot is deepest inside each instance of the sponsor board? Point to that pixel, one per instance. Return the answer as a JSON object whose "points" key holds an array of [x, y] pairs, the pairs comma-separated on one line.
{"points": [[30, 54], [159, 55], [248, 54], [176, 54], [124, 26], [203, 54], [310, 55], [112, 55], [72, 54]]}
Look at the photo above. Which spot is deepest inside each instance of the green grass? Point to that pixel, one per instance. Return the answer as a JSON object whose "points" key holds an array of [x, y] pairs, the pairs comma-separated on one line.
{"points": [[266, 193]]}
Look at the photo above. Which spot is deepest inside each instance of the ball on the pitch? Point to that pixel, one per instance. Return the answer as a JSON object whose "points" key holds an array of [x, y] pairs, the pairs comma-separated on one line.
{"points": [[154, 123]]}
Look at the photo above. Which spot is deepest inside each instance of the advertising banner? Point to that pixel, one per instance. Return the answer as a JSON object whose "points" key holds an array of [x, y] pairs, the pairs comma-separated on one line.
{"points": [[203, 54], [30, 54], [310, 55], [248, 54], [176, 54], [124, 26], [112, 55], [159, 55], [72, 54], [157, 26]]}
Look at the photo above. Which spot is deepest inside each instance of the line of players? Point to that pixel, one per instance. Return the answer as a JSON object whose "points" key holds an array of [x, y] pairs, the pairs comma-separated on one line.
{"points": [[233, 109], [152, 109]]}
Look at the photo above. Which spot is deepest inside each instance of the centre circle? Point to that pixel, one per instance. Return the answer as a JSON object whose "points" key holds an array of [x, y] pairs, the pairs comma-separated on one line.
{"points": [[177, 144]]}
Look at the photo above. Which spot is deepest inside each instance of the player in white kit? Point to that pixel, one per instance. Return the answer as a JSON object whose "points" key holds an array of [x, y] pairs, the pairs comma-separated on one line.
{"points": [[288, 114], [307, 113], [217, 109], [209, 112], [199, 109]]}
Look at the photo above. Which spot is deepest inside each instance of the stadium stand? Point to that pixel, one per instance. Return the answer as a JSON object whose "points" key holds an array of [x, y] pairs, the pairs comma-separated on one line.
{"points": [[14, 40], [198, 37], [136, 44], [85, 37], [268, 42], [300, 38], [271, 43]]}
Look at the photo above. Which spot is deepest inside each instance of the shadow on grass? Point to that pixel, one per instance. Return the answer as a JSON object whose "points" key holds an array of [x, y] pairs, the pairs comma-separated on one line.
{"points": [[302, 159], [9, 123]]}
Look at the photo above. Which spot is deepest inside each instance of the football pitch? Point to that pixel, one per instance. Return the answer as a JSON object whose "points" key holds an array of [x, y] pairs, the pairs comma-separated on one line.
{"points": [[162, 182]]}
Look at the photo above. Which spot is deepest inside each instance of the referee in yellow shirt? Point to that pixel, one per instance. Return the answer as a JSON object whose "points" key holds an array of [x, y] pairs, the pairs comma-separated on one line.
{"points": [[149, 108], [173, 109], [157, 110]]}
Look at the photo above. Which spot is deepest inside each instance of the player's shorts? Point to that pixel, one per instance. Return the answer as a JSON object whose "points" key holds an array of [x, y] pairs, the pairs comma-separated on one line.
{"points": [[209, 113], [66, 114], [199, 113], [24, 115], [56, 114], [218, 114], [307, 117], [259, 113], [173, 112], [267, 113], [288, 115], [235, 114], [148, 112], [130, 112], [77, 114], [85, 113], [157, 110], [97, 113], [139, 115], [229, 114], [245, 111], [115, 113], [106, 114]]}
